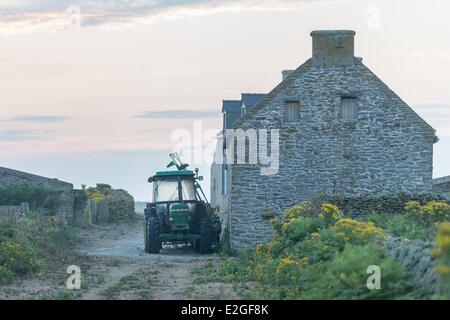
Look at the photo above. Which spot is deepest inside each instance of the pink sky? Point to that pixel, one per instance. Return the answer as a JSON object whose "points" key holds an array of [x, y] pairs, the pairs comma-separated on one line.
{"points": [[71, 92]]}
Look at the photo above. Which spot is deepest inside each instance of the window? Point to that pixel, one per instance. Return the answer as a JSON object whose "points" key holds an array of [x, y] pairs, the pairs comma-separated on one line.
{"points": [[292, 109], [349, 108], [188, 189], [224, 179], [165, 190]]}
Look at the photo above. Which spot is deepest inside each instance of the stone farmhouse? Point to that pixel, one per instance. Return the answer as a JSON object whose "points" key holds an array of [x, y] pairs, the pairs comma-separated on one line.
{"points": [[341, 130]]}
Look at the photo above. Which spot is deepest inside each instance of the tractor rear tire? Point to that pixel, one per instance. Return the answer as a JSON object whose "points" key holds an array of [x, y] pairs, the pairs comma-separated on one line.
{"points": [[205, 236], [153, 243], [146, 235]]}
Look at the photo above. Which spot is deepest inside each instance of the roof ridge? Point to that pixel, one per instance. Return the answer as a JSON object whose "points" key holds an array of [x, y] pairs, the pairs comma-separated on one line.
{"points": [[274, 91], [397, 96]]}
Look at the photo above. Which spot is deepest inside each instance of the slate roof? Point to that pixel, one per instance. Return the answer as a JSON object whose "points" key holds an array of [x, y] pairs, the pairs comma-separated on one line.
{"points": [[232, 112], [231, 106], [251, 99]]}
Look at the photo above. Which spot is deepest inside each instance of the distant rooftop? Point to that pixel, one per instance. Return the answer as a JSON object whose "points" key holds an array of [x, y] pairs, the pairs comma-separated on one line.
{"points": [[231, 106], [250, 99], [441, 180]]}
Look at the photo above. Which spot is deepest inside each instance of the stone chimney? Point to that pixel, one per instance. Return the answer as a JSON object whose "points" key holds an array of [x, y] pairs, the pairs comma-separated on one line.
{"points": [[286, 73], [333, 47]]}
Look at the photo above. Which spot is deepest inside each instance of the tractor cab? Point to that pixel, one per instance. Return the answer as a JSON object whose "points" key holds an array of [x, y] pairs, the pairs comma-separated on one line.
{"points": [[179, 211]]}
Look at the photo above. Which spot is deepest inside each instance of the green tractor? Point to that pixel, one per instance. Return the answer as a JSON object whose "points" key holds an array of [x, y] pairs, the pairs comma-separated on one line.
{"points": [[180, 212]]}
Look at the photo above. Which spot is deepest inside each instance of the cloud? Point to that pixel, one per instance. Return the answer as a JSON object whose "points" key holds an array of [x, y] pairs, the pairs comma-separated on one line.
{"points": [[38, 118], [178, 114], [433, 111], [21, 135], [437, 115], [26, 15]]}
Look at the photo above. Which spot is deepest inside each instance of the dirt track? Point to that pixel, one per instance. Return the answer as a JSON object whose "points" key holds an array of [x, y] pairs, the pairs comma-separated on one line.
{"points": [[115, 266]]}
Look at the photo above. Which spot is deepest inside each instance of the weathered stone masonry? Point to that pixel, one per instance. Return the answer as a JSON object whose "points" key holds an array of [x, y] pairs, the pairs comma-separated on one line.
{"points": [[385, 148], [11, 178], [442, 185]]}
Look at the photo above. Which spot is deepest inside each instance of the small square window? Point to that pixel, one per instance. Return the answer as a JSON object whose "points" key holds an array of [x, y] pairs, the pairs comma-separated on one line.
{"points": [[292, 110], [349, 108]]}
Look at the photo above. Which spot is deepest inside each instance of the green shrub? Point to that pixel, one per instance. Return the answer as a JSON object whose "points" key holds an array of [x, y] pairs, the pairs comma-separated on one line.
{"points": [[225, 245], [442, 253], [402, 225], [358, 232], [434, 211], [7, 232], [18, 259], [36, 197], [346, 276], [299, 210], [393, 203], [298, 229], [33, 244], [320, 256], [6, 276], [330, 213]]}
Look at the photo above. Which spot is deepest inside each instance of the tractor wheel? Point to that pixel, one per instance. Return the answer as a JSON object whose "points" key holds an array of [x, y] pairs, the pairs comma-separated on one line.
{"points": [[145, 235], [153, 243], [205, 236]]}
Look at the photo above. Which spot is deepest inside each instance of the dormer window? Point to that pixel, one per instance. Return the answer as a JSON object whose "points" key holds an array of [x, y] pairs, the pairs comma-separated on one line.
{"points": [[349, 108], [292, 111]]}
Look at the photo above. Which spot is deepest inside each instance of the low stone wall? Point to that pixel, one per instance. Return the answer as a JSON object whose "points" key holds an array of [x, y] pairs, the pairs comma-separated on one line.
{"points": [[98, 211], [63, 190], [415, 256], [442, 185], [120, 202], [388, 204], [12, 214]]}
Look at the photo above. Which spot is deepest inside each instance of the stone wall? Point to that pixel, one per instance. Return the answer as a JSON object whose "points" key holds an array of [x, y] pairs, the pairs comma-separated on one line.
{"points": [[219, 200], [120, 202], [386, 148], [64, 190], [442, 185], [12, 214], [416, 258]]}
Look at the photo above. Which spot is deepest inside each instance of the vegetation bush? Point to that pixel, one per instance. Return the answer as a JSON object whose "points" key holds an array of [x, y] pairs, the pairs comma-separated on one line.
{"points": [[401, 225], [431, 212], [33, 244], [393, 203], [346, 276], [96, 196], [225, 246], [330, 213], [358, 232], [303, 209], [18, 259], [36, 197], [317, 254], [442, 253]]}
